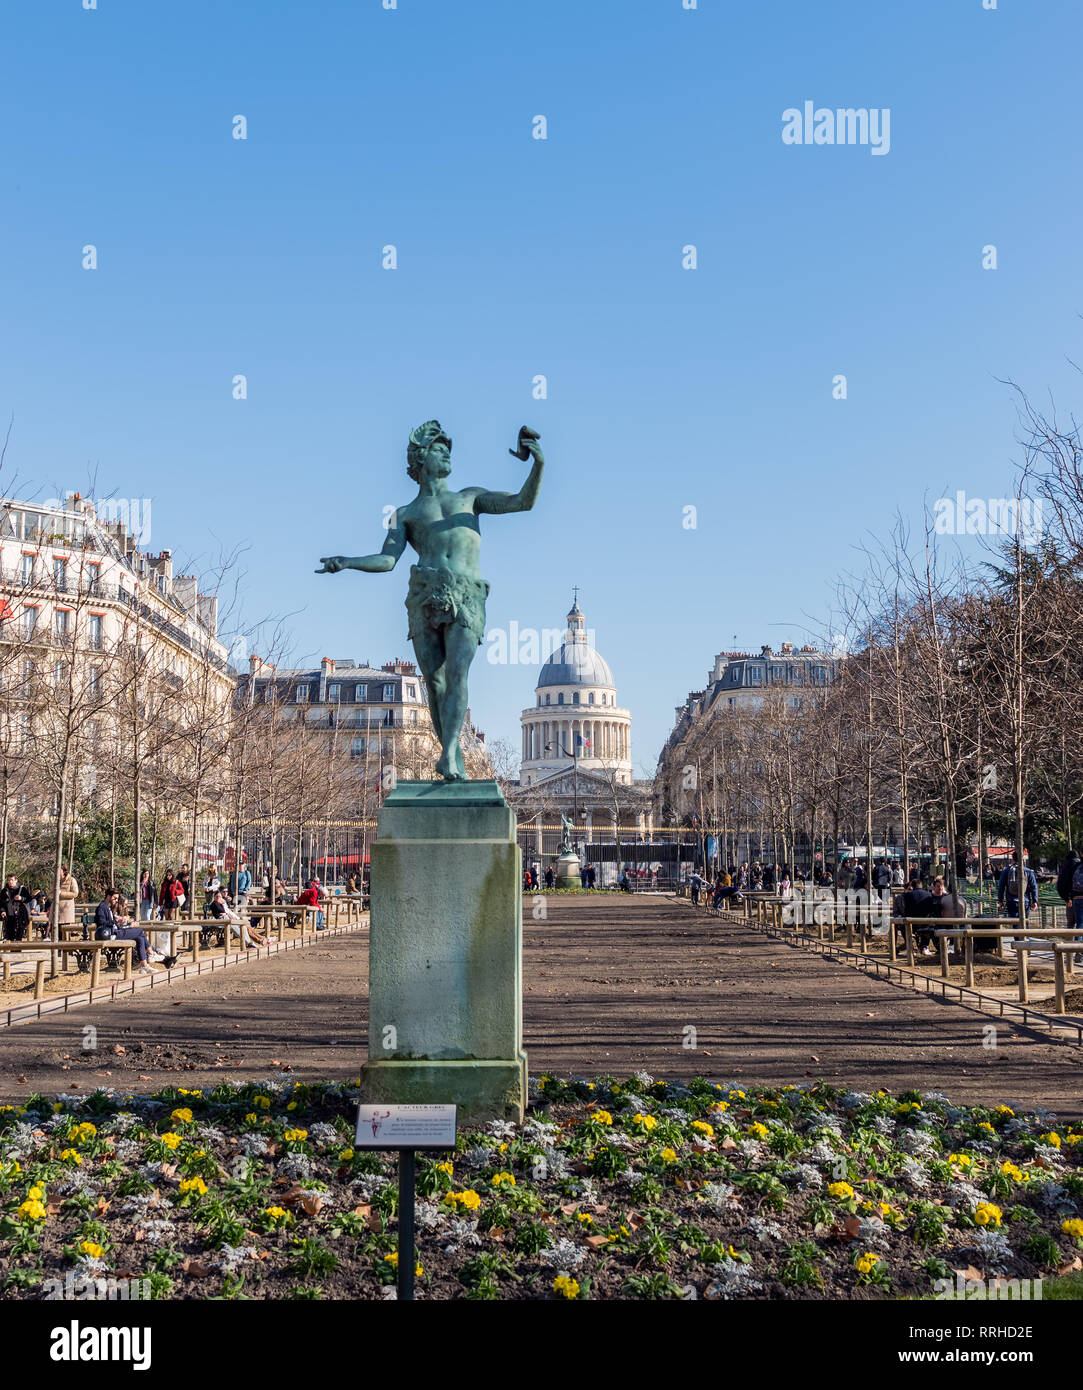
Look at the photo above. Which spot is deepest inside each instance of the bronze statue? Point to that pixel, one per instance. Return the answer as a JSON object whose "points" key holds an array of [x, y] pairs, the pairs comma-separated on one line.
{"points": [[446, 597]]}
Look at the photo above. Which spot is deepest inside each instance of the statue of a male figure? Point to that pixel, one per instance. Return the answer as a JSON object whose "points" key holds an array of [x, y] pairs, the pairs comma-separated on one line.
{"points": [[446, 598]]}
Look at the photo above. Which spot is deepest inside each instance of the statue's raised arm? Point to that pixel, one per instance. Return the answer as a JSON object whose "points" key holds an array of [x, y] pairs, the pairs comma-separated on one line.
{"points": [[497, 503]]}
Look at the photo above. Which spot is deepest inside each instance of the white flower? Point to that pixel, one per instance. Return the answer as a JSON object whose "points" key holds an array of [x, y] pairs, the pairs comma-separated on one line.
{"points": [[230, 1256], [873, 1233], [540, 1132], [717, 1195], [913, 1173], [462, 1233], [428, 1215], [991, 1246], [804, 1176], [563, 1255], [295, 1167], [643, 1077], [159, 1231], [732, 1280]]}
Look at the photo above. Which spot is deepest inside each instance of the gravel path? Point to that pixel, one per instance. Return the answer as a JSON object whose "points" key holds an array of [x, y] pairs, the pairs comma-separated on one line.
{"points": [[613, 984]]}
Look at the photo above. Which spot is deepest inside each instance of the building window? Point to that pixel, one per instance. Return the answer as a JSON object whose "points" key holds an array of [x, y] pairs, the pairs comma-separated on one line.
{"points": [[334, 693], [560, 697], [26, 572], [94, 632], [60, 574], [357, 747], [590, 698], [95, 686], [389, 719], [389, 692], [575, 697], [62, 624], [547, 699], [360, 692], [29, 622], [411, 691], [413, 716], [95, 578], [302, 694]]}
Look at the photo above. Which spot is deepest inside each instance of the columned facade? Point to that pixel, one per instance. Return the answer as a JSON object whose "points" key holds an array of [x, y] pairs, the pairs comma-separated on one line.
{"points": [[575, 718]]}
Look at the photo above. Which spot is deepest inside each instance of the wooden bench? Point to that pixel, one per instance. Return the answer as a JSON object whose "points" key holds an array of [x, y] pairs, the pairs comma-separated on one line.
{"points": [[1064, 953], [1039, 939], [62, 949], [1050, 940], [998, 927]]}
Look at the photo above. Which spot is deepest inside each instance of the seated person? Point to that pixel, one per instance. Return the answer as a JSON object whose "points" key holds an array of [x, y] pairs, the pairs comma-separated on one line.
{"points": [[110, 927], [311, 898], [223, 913]]}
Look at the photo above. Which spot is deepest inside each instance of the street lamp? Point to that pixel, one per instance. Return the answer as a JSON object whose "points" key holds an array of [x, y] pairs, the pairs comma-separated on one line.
{"points": [[574, 755]]}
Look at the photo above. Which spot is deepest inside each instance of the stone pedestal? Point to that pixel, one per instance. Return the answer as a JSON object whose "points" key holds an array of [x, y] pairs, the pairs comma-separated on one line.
{"points": [[445, 952], [568, 871]]}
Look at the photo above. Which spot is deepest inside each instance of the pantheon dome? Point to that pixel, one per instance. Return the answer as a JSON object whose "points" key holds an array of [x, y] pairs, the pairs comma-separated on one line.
{"points": [[575, 718]]}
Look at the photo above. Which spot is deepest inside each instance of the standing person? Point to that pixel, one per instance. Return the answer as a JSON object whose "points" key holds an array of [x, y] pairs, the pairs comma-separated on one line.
{"points": [[148, 897], [168, 895], [66, 898], [13, 908], [846, 875], [212, 882], [944, 904], [860, 880], [184, 878], [239, 886], [1070, 888], [897, 879], [695, 883], [550, 877], [1008, 889]]}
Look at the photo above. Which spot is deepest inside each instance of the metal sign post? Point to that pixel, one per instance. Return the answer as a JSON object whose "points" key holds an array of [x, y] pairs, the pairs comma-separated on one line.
{"points": [[406, 1128]]}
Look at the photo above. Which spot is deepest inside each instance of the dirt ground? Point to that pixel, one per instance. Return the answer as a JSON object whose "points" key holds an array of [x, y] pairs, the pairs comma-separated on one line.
{"points": [[612, 984]]}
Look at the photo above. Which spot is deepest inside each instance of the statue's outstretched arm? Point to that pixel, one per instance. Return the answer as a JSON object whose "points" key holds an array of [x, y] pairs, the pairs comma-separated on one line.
{"points": [[393, 546], [495, 503]]}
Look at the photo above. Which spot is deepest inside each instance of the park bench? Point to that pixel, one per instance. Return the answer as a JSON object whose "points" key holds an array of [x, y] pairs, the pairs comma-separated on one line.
{"points": [[115, 950], [1039, 938]]}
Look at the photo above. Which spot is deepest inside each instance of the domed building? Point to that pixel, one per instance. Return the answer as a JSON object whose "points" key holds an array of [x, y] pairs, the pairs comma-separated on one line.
{"points": [[577, 760], [576, 716]]}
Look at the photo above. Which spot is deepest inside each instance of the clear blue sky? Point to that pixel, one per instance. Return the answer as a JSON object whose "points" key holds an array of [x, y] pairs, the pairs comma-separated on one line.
{"points": [[667, 387]]}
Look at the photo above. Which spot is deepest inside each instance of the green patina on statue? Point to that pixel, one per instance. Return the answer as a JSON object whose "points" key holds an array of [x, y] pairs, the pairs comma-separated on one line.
{"points": [[446, 598]]}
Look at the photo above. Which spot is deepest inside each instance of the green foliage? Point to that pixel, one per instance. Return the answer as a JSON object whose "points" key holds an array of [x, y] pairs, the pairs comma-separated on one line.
{"points": [[1042, 1249], [927, 1225], [799, 1266], [312, 1257]]}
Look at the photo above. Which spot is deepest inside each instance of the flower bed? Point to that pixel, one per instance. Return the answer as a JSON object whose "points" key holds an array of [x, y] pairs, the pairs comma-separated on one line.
{"points": [[610, 1189]]}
